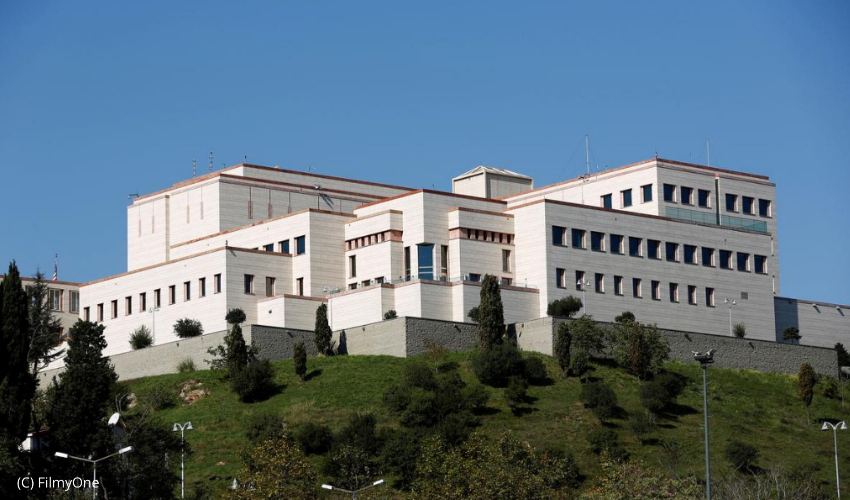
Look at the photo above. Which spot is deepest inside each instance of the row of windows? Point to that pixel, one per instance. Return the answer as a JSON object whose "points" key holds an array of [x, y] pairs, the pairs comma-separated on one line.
{"points": [[283, 246], [482, 235], [607, 200], [673, 252], [56, 299], [365, 241], [685, 196], [748, 205], [581, 284], [271, 285], [157, 299]]}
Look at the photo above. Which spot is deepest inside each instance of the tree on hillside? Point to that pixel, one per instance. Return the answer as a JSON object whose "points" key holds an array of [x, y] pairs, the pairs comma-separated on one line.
{"points": [[234, 354], [625, 317], [17, 385], [275, 469], [562, 348], [806, 380], [639, 347], [567, 307], [299, 355], [586, 340], [491, 314], [323, 331]]}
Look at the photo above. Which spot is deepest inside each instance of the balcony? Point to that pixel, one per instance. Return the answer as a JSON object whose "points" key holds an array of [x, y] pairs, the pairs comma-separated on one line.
{"points": [[711, 218]]}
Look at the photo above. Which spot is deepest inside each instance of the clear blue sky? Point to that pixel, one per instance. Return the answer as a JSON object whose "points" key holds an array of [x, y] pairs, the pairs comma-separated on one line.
{"points": [[102, 99]]}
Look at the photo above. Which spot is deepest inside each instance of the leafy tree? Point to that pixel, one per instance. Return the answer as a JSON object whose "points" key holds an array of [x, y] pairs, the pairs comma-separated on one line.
{"points": [[299, 355], [515, 392], [740, 455], [634, 481], [323, 331], [275, 469], [491, 314], [534, 370], [151, 472], [830, 388], [391, 314], [400, 455], [600, 398], [564, 308], [314, 438], [17, 384], [472, 314], [44, 326], [641, 424], [353, 460], [496, 365], [562, 348], [186, 328], [234, 354], [639, 347], [843, 355], [587, 338], [806, 380], [791, 333], [141, 338], [658, 394], [625, 317], [740, 330], [254, 382], [263, 426], [436, 353], [606, 441]]}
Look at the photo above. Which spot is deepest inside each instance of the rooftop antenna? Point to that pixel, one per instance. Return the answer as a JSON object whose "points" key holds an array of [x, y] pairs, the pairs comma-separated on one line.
{"points": [[708, 152], [246, 158], [211, 161], [309, 168], [194, 168], [587, 154]]}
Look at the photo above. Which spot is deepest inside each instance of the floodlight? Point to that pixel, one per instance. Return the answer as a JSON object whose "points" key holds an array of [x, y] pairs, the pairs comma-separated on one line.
{"points": [[327, 487], [61, 455]]}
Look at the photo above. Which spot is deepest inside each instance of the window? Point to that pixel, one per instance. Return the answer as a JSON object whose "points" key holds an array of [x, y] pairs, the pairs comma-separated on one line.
{"points": [[406, 263], [506, 261], [86, 314], [747, 205], [690, 254], [54, 298], [114, 309], [704, 198], [654, 249], [687, 195], [597, 241], [352, 286], [672, 251], [605, 201], [709, 297], [352, 266], [761, 264], [475, 278], [637, 288], [157, 298], [692, 295], [379, 280], [249, 284], [217, 283], [299, 286], [426, 261], [187, 291], [202, 287], [578, 238], [128, 306], [731, 203], [300, 245], [725, 259], [616, 244], [172, 294], [100, 312], [75, 302], [646, 193], [270, 288], [559, 236], [635, 246], [269, 247], [656, 290], [674, 292], [283, 246], [444, 261], [626, 198], [707, 257], [743, 262], [618, 285], [506, 282], [599, 282], [143, 302], [764, 208], [560, 278], [580, 280], [669, 193]]}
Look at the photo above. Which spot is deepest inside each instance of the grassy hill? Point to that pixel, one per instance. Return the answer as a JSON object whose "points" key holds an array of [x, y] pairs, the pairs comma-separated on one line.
{"points": [[760, 409]]}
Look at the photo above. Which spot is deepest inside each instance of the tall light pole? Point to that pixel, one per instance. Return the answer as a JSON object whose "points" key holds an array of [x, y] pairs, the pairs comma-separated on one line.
{"points": [[835, 428], [706, 359], [355, 492], [94, 462], [153, 311], [731, 303], [182, 428], [583, 284]]}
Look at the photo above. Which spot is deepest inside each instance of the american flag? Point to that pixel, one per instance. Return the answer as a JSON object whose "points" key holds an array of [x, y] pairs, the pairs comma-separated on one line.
{"points": [[56, 267]]}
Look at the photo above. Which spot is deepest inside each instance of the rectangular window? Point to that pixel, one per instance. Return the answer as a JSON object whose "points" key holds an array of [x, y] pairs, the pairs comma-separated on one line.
{"points": [[599, 282], [54, 298], [704, 198], [764, 208], [86, 314], [299, 287], [743, 262], [100, 313], [747, 205], [597, 241], [249, 284], [560, 278], [616, 244], [654, 249], [270, 287], [709, 297], [578, 238], [646, 193], [669, 192], [637, 288], [635, 246], [626, 198], [672, 251], [761, 264], [690, 254], [475, 278], [506, 282], [444, 261], [143, 302], [605, 201], [692, 295], [75, 302], [157, 298], [580, 283], [725, 259], [674, 292], [128, 306], [406, 263], [366, 283], [731, 203], [425, 253], [656, 290], [707, 257], [506, 261], [352, 286], [187, 291], [352, 266], [114, 309], [269, 247], [172, 294], [217, 283], [687, 195], [283, 246], [300, 245], [618, 285], [559, 236], [202, 287]]}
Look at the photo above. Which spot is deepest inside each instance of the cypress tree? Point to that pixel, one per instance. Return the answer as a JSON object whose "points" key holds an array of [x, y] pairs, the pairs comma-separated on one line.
{"points": [[17, 385], [323, 331], [491, 314], [300, 357], [237, 350], [562, 348], [806, 380]]}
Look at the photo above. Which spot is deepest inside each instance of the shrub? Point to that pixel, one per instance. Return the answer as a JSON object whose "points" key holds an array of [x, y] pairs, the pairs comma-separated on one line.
{"points": [[515, 392], [141, 338], [158, 396], [359, 433], [740, 455], [255, 382], [639, 347], [472, 314], [654, 397], [496, 365], [400, 456], [634, 481], [186, 328], [534, 370], [579, 362], [625, 317], [600, 398], [606, 441], [391, 314], [641, 424], [314, 438], [562, 348], [565, 308], [186, 365], [830, 388], [673, 383], [740, 330], [436, 353], [299, 356], [274, 469], [843, 355], [791, 333], [806, 380], [263, 426], [235, 316]]}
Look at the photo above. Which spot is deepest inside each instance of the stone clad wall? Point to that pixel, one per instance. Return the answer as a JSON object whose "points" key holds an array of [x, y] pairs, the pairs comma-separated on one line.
{"points": [[451, 335], [276, 344]]}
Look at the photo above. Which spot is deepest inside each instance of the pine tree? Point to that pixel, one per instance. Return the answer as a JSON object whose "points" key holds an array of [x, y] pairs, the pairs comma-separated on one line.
{"points": [[806, 380], [44, 333], [238, 354], [324, 334], [299, 355], [491, 314], [562, 348], [17, 385]]}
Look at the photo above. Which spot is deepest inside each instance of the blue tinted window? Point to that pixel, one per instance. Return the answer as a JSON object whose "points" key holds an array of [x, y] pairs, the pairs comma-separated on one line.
{"points": [[703, 197], [558, 236], [627, 198], [747, 204], [426, 261], [269, 247], [725, 259], [743, 261], [634, 246], [284, 246], [606, 201], [687, 195], [764, 208], [731, 203], [616, 243], [654, 248], [300, 245], [597, 241], [647, 192], [690, 254], [578, 238], [672, 249], [708, 257], [761, 264], [669, 192]]}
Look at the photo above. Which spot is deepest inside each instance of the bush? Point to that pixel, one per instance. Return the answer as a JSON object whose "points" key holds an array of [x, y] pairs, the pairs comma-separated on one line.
{"points": [[158, 396], [639, 347], [186, 365], [830, 388], [235, 316], [400, 456], [314, 438], [579, 362], [391, 314], [740, 330], [600, 398], [496, 365], [625, 317], [359, 433], [641, 424], [565, 308], [255, 382], [263, 426], [186, 328], [299, 356], [606, 441], [141, 338], [740, 455], [515, 392], [562, 348], [843, 355], [534, 370]]}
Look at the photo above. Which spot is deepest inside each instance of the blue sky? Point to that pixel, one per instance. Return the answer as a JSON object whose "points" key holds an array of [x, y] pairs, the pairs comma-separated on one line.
{"points": [[102, 99]]}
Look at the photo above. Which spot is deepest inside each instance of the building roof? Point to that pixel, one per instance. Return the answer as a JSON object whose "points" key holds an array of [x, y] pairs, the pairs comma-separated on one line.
{"points": [[491, 170]]}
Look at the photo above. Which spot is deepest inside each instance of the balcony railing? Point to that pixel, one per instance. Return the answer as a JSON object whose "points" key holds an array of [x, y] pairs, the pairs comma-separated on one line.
{"points": [[427, 277], [711, 218]]}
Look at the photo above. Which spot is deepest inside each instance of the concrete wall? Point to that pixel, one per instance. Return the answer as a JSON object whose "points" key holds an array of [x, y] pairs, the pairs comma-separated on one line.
{"points": [[276, 344]]}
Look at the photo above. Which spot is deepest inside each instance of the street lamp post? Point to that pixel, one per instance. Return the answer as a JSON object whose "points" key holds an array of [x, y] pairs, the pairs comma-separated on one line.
{"points": [[153, 322], [835, 428], [583, 284], [706, 359], [94, 462], [355, 492], [182, 428], [731, 304]]}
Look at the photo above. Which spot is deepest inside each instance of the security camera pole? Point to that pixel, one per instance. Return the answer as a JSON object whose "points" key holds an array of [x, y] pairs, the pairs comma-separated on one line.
{"points": [[94, 462], [706, 359], [182, 429], [353, 493]]}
